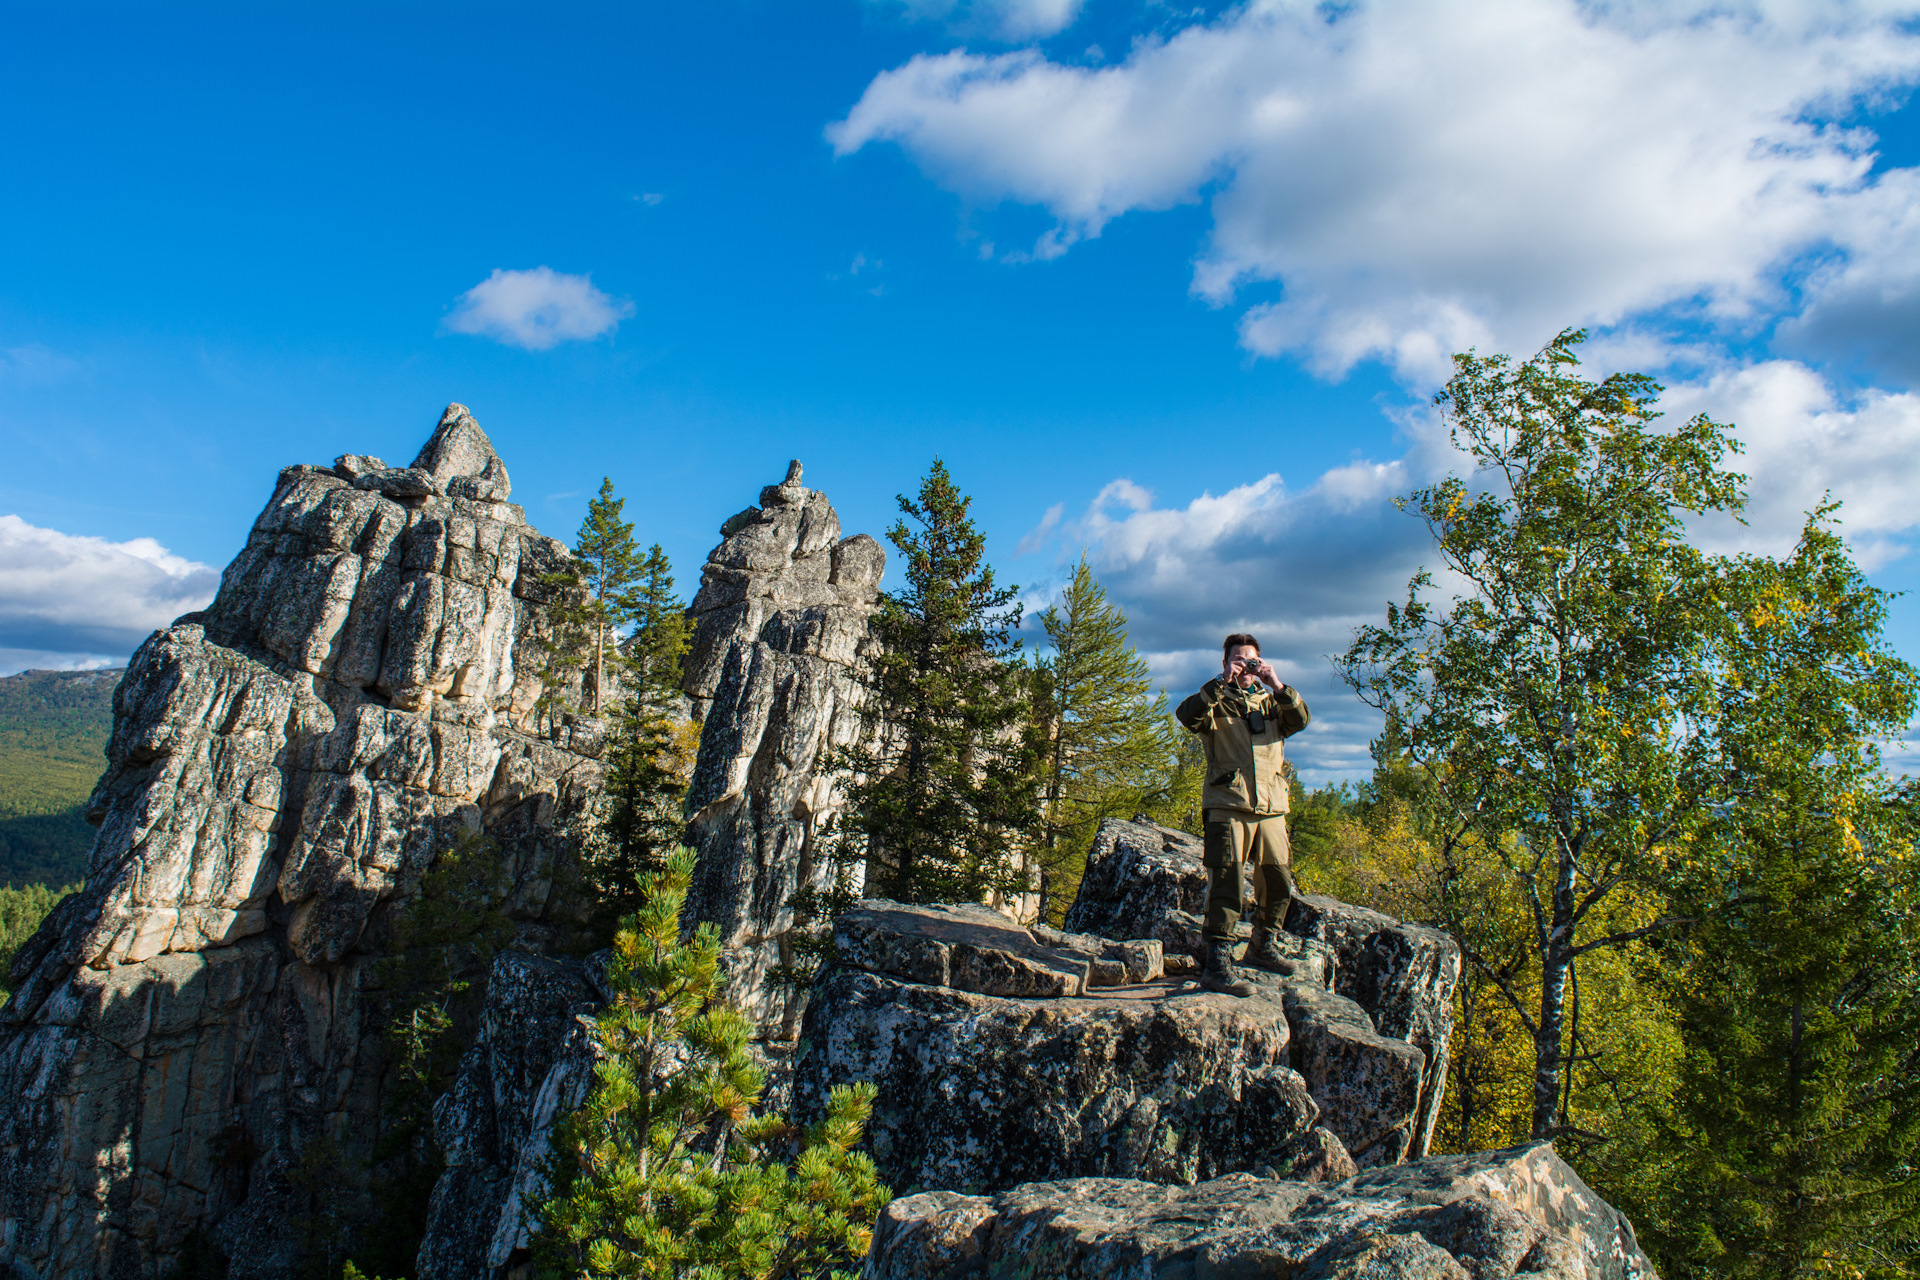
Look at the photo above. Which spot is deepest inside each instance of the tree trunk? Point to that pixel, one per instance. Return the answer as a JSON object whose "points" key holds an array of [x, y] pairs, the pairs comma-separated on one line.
{"points": [[1557, 959], [599, 649]]}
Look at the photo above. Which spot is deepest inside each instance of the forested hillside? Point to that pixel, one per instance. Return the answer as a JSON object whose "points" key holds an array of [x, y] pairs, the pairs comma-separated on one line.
{"points": [[53, 733]]}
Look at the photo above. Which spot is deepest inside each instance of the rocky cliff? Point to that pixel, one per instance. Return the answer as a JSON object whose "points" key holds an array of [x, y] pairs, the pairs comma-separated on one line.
{"points": [[779, 621], [188, 1032]]}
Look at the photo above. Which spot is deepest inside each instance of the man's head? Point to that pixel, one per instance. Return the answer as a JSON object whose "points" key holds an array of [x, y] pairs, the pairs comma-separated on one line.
{"points": [[1240, 658]]}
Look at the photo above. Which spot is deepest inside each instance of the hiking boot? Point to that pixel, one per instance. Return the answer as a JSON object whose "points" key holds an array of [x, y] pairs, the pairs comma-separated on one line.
{"points": [[1217, 972], [1263, 954]]}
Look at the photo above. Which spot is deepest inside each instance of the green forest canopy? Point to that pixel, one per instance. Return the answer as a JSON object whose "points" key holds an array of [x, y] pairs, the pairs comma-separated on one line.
{"points": [[53, 736]]}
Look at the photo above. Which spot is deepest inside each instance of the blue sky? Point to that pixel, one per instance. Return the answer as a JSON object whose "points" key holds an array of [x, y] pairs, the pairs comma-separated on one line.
{"points": [[1183, 278]]}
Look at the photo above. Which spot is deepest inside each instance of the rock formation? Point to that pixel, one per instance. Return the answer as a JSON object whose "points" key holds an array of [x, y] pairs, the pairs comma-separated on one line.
{"points": [[531, 1063], [1487, 1216], [1146, 881], [194, 1024], [779, 620], [999, 1059]]}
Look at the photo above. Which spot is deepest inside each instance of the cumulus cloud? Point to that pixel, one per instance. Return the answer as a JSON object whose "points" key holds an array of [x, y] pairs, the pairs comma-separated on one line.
{"points": [[1301, 568], [537, 309], [1009, 20], [1423, 177], [85, 600], [1863, 305], [1804, 440]]}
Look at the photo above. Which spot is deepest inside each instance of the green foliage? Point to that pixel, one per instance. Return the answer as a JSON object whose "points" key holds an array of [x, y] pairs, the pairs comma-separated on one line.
{"points": [[1639, 784], [667, 1170], [1556, 706], [607, 561], [1108, 743], [1794, 1132], [945, 799], [587, 608], [21, 911], [53, 735], [650, 753]]}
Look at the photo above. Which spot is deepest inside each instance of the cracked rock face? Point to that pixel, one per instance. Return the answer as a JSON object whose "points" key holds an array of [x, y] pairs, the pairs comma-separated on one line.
{"points": [[282, 769], [999, 1058], [982, 1092], [531, 1063], [779, 621], [1147, 881], [1486, 1216]]}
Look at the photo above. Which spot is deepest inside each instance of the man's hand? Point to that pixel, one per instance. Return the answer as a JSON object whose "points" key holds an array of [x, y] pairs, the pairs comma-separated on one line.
{"points": [[1264, 672]]}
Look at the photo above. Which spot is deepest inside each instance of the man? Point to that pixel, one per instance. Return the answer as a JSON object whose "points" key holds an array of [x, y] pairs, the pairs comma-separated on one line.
{"points": [[1244, 715]]}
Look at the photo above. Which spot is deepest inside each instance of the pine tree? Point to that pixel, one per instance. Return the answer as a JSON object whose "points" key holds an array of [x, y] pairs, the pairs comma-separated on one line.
{"points": [[668, 1170], [647, 757], [1109, 746], [607, 562], [945, 799]]}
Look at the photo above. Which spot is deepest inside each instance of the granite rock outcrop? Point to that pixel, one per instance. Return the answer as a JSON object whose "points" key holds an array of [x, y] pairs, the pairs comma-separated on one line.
{"points": [[530, 1064], [1520, 1212], [779, 623], [1147, 881], [283, 767], [1004, 1054]]}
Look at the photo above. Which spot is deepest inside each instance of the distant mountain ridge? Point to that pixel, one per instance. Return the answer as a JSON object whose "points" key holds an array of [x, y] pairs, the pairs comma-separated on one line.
{"points": [[53, 735]]}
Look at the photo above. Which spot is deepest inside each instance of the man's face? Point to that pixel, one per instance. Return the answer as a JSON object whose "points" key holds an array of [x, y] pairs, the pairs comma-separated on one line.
{"points": [[1249, 659]]}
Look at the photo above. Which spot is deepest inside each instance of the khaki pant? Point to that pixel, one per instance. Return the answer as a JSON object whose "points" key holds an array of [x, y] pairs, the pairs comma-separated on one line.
{"points": [[1233, 840]]}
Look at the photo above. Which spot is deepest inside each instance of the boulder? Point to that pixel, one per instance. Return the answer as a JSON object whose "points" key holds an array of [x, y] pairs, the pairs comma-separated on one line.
{"points": [[778, 624], [199, 1024], [1485, 1216], [980, 1092], [967, 1023], [1146, 881], [1403, 975]]}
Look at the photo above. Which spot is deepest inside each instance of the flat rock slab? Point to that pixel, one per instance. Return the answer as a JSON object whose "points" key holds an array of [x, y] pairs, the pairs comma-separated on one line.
{"points": [[981, 1092], [974, 948], [1487, 1216]]}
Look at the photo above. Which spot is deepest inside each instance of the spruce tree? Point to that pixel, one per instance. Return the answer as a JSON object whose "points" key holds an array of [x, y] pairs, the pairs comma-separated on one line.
{"points": [[945, 798], [1109, 745], [646, 778], [669, 1170], [606, 561], [1796, 1126]]}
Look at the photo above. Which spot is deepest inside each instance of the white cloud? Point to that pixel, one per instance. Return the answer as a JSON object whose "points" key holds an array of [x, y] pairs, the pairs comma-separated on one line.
{"points": [[1302, 569], [87, 598], [1423, 177], [536, 309], [1864, 305], [1009, 20], [1803, 440], [1298, 569], [1036, 537]]}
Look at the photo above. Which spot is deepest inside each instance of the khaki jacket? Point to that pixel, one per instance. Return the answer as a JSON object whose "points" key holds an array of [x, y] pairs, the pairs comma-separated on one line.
{"points": [[1243, 767]]}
